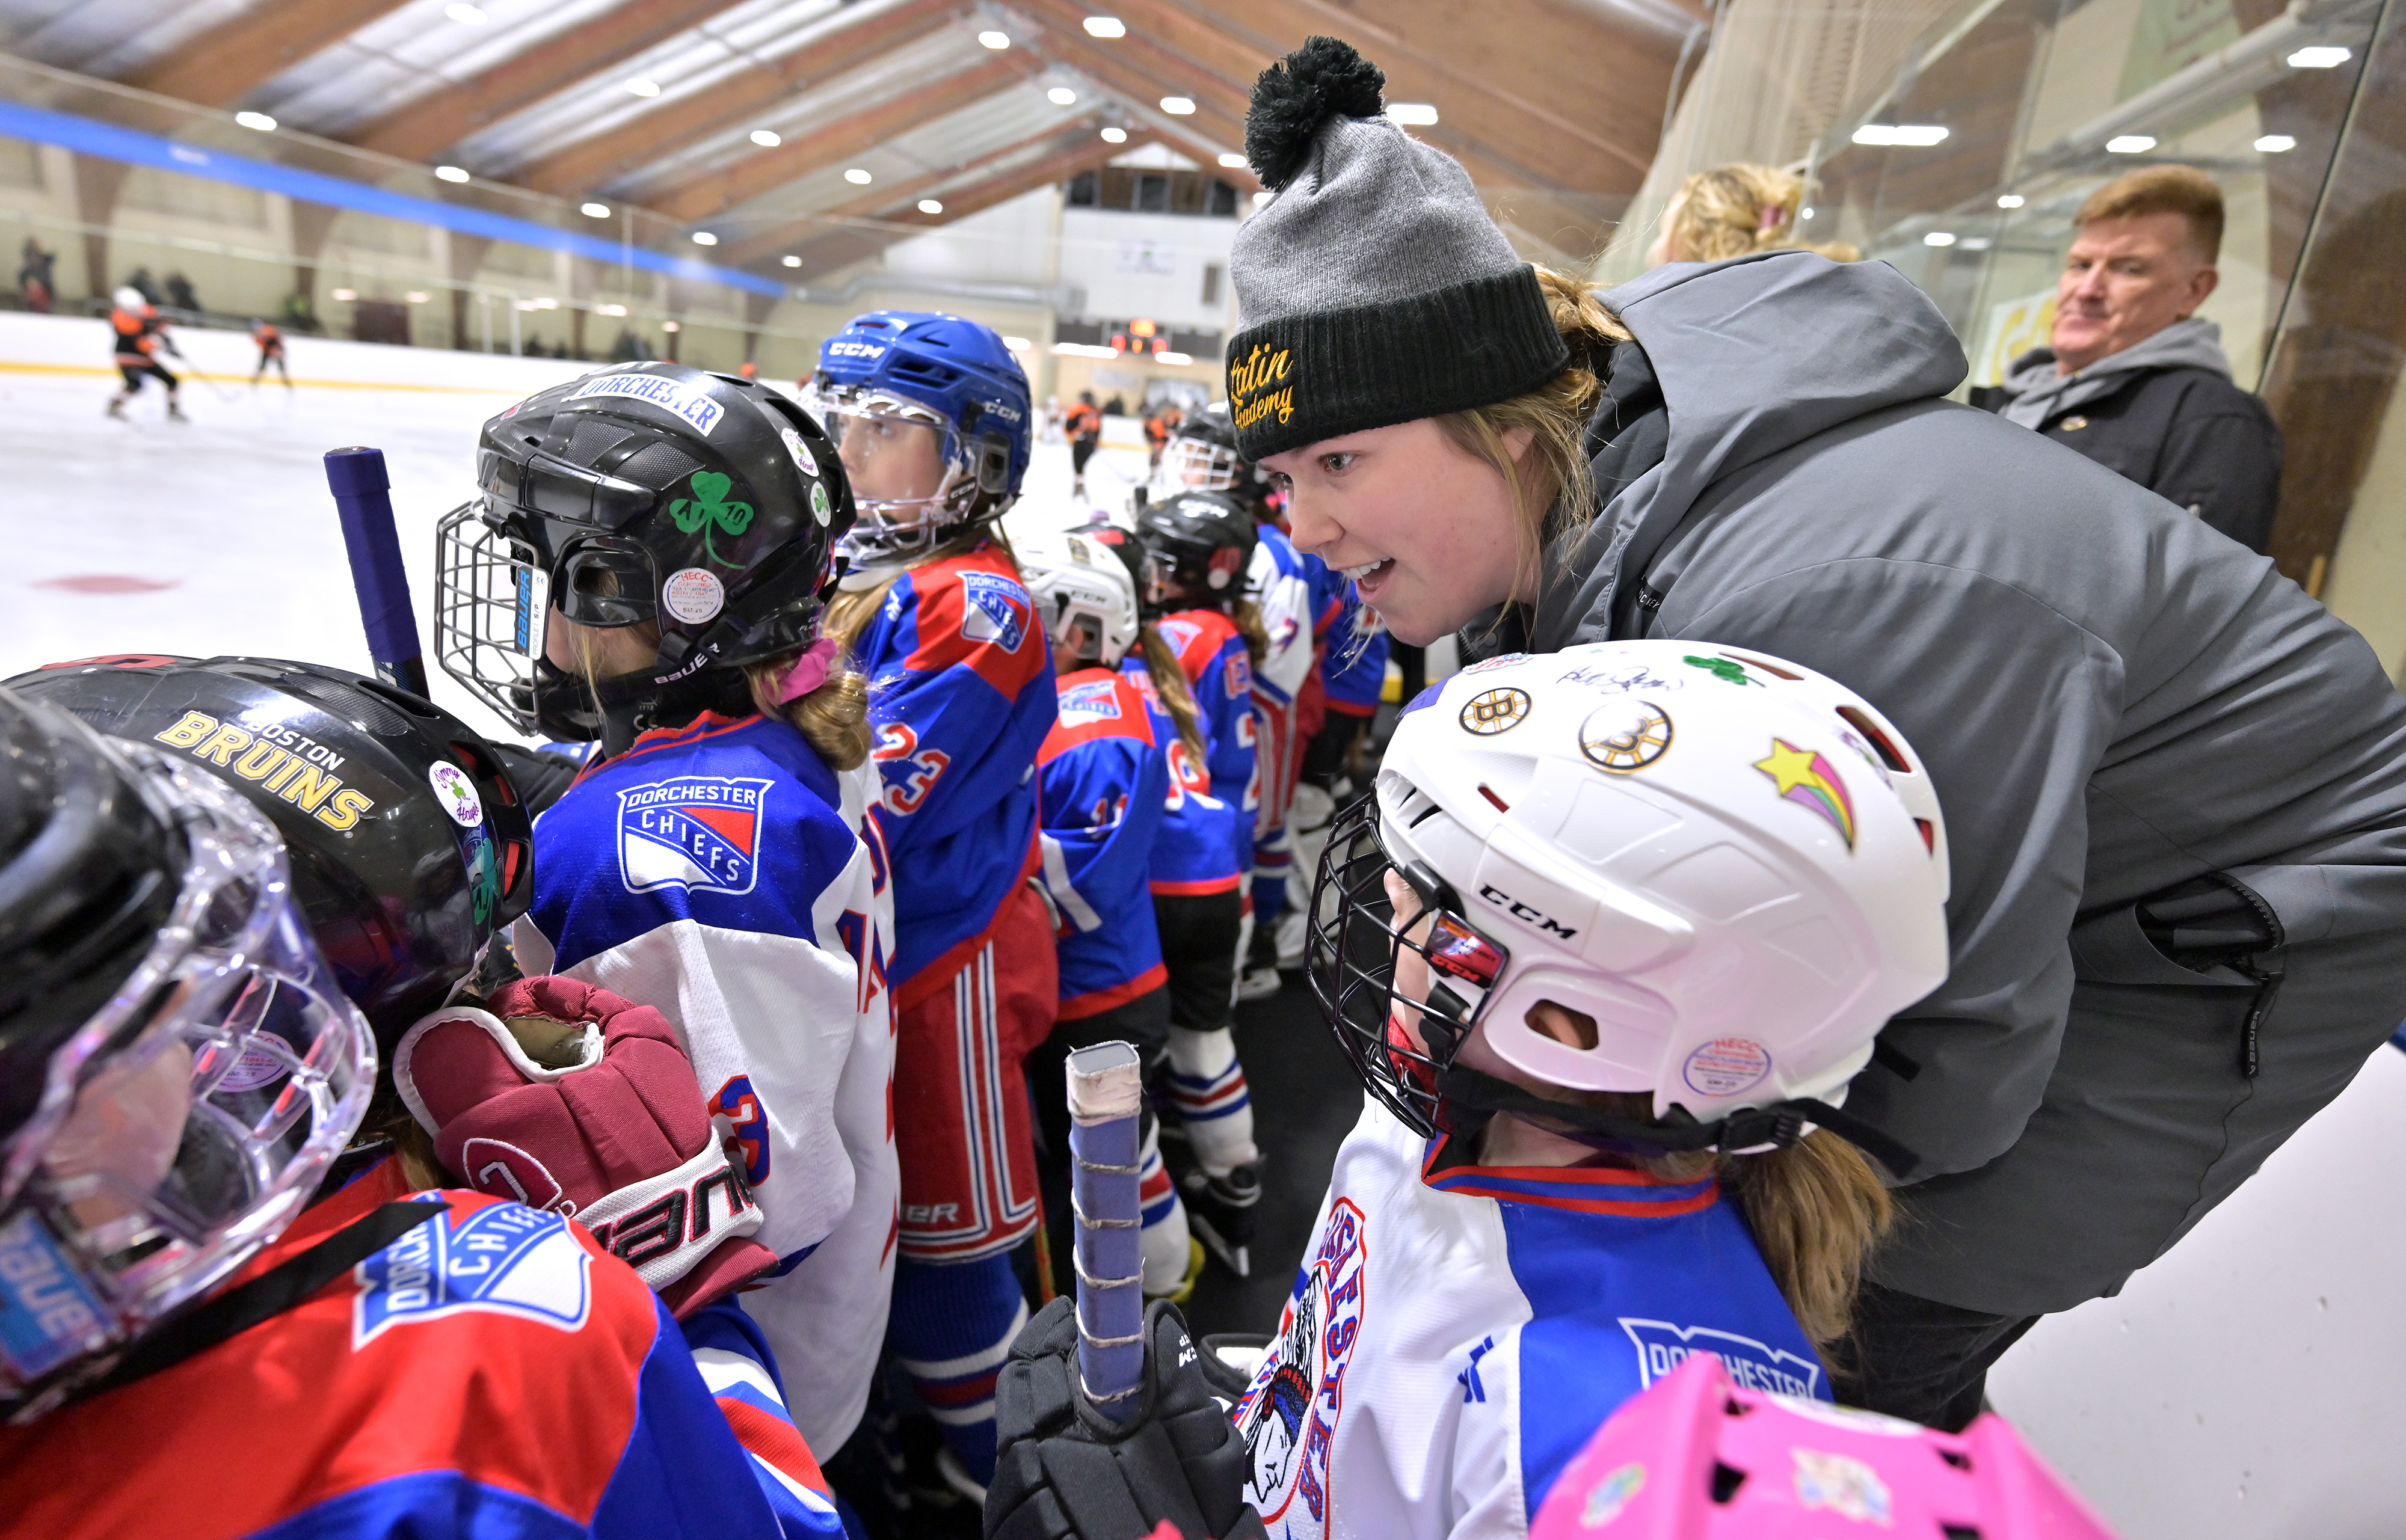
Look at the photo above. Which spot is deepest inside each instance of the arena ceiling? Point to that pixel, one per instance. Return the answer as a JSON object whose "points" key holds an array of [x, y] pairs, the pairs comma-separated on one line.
{"points": [[758, 118]]}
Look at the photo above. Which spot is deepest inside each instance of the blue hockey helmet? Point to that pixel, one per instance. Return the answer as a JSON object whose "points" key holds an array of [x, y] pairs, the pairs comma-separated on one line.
{"points": [[889, 380]]}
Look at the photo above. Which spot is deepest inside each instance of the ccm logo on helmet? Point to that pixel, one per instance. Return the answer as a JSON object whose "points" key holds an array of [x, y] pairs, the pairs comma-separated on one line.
{"points": [[1524, 913], [856, 350]]}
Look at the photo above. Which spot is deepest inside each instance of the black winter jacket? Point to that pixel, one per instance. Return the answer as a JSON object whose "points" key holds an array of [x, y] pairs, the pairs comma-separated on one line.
{"points": [[2186, 434]]}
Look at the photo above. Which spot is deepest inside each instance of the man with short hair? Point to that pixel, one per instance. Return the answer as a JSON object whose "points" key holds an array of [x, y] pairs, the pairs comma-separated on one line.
{"points": [[2133, 379]]}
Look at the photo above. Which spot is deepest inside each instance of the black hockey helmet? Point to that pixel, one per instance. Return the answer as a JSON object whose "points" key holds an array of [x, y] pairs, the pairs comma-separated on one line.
{"points": [[1202, 456], [178, 1068], [408, 845], [707, 504], [1197, 545]]}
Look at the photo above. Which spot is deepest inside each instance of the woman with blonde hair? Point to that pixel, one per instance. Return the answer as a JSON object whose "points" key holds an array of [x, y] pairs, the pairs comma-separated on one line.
{"points": [[1735, 210], [1759, 450]]}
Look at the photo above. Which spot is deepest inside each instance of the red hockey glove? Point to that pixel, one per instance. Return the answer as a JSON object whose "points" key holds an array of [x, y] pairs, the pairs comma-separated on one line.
{"points": [[566, 1097]]}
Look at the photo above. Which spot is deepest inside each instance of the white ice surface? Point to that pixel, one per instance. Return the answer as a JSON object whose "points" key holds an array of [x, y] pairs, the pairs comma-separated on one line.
{"points": [[2245, 1388]]}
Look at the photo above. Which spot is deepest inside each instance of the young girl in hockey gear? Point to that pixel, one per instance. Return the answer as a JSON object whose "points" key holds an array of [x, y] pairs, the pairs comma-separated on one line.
{"points": [[202, 1261], [140, 334], [931, 414], [1196, 546], [645, 567], [1618, 929], [1104, 790]]}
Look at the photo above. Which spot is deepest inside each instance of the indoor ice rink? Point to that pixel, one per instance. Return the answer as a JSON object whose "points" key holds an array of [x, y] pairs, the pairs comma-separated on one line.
{"points": [[445, 208]]}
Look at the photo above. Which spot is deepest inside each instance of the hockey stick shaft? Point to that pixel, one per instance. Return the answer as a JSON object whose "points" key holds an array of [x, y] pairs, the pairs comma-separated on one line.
{"points": [[363, 497], [1106, 1089]]}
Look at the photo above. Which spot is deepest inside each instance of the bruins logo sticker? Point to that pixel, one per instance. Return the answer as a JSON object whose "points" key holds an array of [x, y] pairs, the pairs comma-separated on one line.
{"points": [[1492, 712], [1625, 735]]}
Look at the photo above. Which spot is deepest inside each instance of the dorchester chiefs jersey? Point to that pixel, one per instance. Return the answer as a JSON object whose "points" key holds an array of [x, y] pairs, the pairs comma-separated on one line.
{"points": [[1191, 852], [1105, 785], [1456, 1333], [1219, 672], [721, 873]]}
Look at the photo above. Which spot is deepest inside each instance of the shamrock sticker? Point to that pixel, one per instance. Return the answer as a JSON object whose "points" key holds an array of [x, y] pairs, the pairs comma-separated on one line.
{"points": [[709, 508], [1722, 668]]}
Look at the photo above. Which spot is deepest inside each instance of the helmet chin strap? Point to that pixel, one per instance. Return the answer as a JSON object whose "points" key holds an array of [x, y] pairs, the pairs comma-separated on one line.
{"points": [[631, 704], [1468, 1100]]}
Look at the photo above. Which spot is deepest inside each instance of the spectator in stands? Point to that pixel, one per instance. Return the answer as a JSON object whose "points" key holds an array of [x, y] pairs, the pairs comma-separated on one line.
{"points": [[34, 280], [145, 285], [2133, 379], [179, 292], [1735, 209]]}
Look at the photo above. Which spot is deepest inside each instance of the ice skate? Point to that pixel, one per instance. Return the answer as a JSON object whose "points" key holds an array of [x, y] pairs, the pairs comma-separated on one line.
{"points": [[1219, 1210], [117, 407]]}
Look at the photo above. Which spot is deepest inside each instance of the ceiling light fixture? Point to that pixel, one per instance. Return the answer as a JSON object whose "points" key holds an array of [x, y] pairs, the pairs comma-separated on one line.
{"points": [[451, 173], [609, 309], [704, 237], [1062, 96], [672, 326], [1233, 161], [345, 296], [995, 40], [790, 259], [259, 120], [2273, 144], [859, 178], [1176, 360], [466, 15], [1106, 26], [594, 211], [1411, 113], [1939, 237], [1115, 136], [2010, 200], [1915, 135], [929, 205], [2130, 144], [766, 138], [419, 296], [1019, 345], [1178, 106], [1804, 213], [642, 87], [1082, 350], [2313, 58]]}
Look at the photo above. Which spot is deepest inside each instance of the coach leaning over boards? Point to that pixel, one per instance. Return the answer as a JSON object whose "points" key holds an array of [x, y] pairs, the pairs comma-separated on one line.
{"points": [[2174, 785]]}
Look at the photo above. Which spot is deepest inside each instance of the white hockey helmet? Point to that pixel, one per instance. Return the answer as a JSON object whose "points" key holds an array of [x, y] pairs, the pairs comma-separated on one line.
{"points": [[128, 298], [1735, 866], [1072, 577]]}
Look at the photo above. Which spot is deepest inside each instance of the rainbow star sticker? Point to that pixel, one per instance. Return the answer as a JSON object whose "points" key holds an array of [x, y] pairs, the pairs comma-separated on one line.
{"points": [[1808, 780]]}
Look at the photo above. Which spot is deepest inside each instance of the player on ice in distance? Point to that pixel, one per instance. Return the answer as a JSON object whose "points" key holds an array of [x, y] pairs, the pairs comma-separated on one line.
{"points": [[1606, 947], [643, 566], [932, 416], [140, 335], [1196, 546], [221, 1314]]}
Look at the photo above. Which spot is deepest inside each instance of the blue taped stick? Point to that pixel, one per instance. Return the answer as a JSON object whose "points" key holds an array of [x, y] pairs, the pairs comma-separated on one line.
{"points": [[364, 498], [1106, 1086]]}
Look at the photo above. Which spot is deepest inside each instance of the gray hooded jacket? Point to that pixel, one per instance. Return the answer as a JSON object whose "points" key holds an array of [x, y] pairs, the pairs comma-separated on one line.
{"points": [[2040, 392], [2114, 701]]}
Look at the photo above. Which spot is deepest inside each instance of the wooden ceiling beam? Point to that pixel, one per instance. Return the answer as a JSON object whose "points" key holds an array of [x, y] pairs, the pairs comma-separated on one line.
{"points": [[767, 245], [842, 248], [843, 138], [226, 64], [592, 163], [446, 115]]}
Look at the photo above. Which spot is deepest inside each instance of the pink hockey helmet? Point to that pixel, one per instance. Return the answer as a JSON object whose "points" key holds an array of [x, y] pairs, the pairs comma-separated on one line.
{"points": [[1695, 1458]]}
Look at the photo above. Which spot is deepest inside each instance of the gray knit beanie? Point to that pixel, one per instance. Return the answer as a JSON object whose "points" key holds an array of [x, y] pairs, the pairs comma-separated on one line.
{"points": [[1373, 289]]}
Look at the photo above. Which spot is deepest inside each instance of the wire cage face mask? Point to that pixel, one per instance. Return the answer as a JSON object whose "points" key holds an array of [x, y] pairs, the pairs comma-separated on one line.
{"points": [[878, 435], [1357, 942], [187, 1122], [491, 605], [1198, 465]]}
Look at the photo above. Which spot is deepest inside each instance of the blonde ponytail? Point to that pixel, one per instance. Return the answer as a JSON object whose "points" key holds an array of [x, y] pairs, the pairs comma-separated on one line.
{"points": [[1247, 617], [833, 718], [1737, 209], [1169, 684]]}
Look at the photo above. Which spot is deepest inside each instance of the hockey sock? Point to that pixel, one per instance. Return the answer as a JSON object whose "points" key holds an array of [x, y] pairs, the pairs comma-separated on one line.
{"points": [[1163, 1238], [1207, 1086], [951, 1328]]}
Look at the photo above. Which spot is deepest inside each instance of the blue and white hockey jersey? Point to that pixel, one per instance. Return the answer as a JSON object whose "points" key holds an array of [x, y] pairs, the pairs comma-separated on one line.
{"points": [[1219, 671], [723, 874], [1191, 852], [960, 696], [1457, 1331], [1105, 787]]}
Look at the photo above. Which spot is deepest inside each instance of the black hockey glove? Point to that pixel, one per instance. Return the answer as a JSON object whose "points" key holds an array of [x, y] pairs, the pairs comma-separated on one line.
{"points": [[1065, 1470]]}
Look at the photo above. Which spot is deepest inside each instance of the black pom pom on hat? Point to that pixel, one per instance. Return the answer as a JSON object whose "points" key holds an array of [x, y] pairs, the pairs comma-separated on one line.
{"points": [[1322, 79]]}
